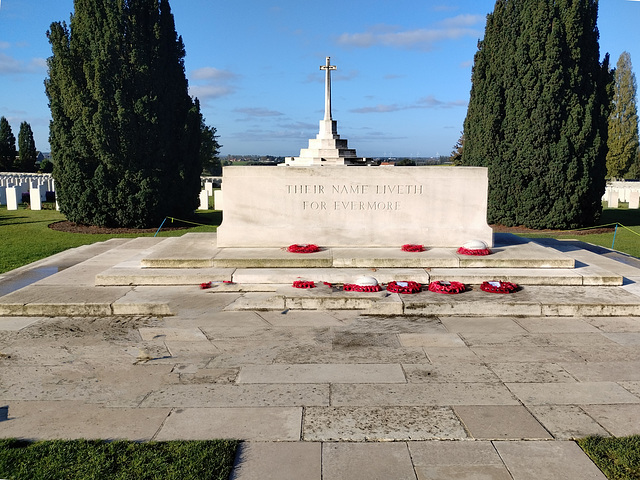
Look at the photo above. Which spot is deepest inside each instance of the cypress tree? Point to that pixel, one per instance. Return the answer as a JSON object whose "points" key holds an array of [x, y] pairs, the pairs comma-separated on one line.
{"points": [[125, 135], [26, 149], [623, 120], [538, 113], [7, 146]]}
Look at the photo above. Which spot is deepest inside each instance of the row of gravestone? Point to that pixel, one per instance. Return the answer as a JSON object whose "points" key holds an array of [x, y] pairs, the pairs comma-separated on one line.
{"points": [[627, 192], [209, 184], [31, 188]]}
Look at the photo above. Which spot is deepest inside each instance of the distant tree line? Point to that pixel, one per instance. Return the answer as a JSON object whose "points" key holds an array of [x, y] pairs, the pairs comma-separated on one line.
{"points": [[22, 159]]}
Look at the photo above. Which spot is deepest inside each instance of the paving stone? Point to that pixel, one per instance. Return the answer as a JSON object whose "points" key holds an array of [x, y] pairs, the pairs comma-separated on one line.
{"points": [[580, 339], [366, 461], [278, 461], [493, 422], [258, 301], [504, 339], [173, 334], [567, 422], [380, 424], [620, 420], [301, 319], [349, 340], [482, 325], [608, 353], [624, 338], [450, 373], [430, 340], [522, 354], [633, 387], [323, 354], [556, 325], [74, 420], [463, 472], [604, 371], [444, 453], [336, 373], [523, 372], [15, 324], [393, 324], [446, 355], [547, 461], [274, 424], [615, 324], [264, 395], [421, 394], [571, 393]]}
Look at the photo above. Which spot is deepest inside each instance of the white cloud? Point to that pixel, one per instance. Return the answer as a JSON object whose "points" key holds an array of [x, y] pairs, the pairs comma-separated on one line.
{"points": [[206, 92], [423, 103], [212, 83], [258, 112], [11, 65], [422, 39], [211, 73], [4, 45]]}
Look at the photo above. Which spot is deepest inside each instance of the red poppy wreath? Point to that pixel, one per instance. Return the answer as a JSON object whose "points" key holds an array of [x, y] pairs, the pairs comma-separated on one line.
{"points": [[303, 284], [498, 287], [303, 248], [412, 248], [404, 287], [446, 287]]}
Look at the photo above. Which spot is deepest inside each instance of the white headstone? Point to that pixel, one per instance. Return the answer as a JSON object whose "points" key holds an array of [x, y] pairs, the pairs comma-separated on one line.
{"points": [[613, 199], [634, 199], [208, 186], [204, 200], [34, 199], [12, 198], [217, 200]]}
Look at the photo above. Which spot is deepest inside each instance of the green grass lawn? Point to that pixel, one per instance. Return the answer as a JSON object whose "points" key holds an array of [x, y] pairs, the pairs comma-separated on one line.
{"points": [[119, 460], [627, 240], [25, 236], [618, 458]]}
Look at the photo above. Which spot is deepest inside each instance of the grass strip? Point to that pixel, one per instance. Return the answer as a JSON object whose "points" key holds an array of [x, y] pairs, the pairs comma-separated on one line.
{"points": [[118, 460], [618, 458]]}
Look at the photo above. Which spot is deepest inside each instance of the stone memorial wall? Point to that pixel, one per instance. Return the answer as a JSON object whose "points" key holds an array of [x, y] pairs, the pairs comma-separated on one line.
{"points": [[354, 206]]}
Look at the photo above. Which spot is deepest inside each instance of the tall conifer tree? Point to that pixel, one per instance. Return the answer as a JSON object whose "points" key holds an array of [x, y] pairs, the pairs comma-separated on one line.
{"points": [[27, 153], [125, 134], [537, 115], [623, 120], [7, 146]]}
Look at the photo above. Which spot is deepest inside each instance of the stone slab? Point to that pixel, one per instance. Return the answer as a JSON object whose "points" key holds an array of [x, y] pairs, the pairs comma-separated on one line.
{"points": [[278, 461], [519, 276], [75, 420], [620, 420], [533, 372], [188, 251], [567, 422], [173, 334], [522, 255], [393, 258], [430, 340], [254, 395], [294, 319], [604, 371], [336, 373], [369, 206], [547, 461], [380, 424], [584, 393], [366, 461], [418, 394], [257, 424], [508, 422], [15, 324], [453, 372], [166, 276], [261, 257], [330, 275]]}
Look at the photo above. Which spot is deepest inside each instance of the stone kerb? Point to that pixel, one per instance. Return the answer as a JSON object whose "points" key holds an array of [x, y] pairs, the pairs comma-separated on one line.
{"points": [[354, 206]]}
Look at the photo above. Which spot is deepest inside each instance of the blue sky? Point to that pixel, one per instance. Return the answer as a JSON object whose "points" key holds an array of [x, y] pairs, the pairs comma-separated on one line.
{"points": [[401, 88]]}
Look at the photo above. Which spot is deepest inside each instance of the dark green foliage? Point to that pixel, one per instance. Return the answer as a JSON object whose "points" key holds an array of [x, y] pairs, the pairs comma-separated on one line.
{"points": [[623, 121], [7, 146], [46, 166], [125, 135], [209, 150], [537, 115], [85, 460], [618, 458], [26, 149]]}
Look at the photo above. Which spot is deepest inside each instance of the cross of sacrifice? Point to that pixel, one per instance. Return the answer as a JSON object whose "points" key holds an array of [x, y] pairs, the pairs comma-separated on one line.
{"points": [[327, 88]]}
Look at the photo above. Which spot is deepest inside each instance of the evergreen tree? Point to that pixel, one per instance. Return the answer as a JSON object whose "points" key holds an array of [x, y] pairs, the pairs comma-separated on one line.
{"points": [[537, 115], [26, 149], [209, 150], [125, 135], [623, 120], [7, 146]]}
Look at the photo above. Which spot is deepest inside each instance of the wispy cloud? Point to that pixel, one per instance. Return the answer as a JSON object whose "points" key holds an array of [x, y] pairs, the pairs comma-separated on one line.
{"points": [[422, 103], [4, 45], [11, 66], [258, 112], [337, 75], [212, 83], [421, 39]]}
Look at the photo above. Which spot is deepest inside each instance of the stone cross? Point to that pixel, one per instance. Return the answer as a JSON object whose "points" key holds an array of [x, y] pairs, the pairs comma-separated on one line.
{"points": [[327, 88]]}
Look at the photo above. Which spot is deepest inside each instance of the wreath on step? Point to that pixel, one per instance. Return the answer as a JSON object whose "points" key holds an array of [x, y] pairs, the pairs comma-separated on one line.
{"points": [[441, 286], [497, 286], [303, 284], [352, 287], [412, 248], [303, 248], [404, 287], [474, 251]]}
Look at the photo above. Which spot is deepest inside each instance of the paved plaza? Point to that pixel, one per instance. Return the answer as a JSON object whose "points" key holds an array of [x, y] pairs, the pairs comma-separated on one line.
{"points": [[318, 394]]}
